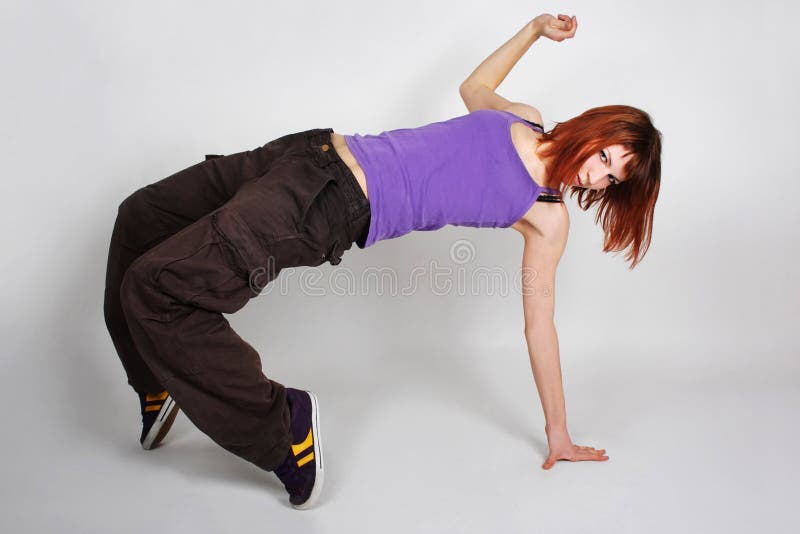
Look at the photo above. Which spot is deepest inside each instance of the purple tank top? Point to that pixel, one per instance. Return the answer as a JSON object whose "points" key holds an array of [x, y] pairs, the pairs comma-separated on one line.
{"points": [[464, 171]]}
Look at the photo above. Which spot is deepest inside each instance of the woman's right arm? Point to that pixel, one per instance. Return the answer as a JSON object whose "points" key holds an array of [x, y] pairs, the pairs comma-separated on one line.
{"points": [[542, 252]]}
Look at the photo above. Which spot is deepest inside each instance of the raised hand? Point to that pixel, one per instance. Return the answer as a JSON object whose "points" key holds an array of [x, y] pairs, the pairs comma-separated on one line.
{"points": [[562, 448], [557, 29]]}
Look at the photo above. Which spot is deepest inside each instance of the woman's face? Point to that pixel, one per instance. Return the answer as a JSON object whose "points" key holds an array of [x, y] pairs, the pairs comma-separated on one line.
{"points": [[603, 168]]}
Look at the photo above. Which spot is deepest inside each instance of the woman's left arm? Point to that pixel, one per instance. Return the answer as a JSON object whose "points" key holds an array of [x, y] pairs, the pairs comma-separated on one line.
{"points": [[493, 70], [542, 252]]}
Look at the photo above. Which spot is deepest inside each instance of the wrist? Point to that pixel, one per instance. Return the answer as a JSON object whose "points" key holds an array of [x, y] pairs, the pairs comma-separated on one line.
{"points": [[534, 30], [555, 429]]}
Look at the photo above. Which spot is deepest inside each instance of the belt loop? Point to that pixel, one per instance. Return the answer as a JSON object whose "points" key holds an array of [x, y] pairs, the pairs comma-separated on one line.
{"points": [[321, 146]]}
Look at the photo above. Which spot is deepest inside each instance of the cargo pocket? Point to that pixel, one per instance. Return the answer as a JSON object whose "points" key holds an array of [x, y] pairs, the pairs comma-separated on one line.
{"points": [[323, 224], [305, 221], [243, 251]]}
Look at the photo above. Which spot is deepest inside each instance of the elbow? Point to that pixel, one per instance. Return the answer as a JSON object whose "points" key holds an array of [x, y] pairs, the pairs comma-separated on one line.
{"points": [[466, 87]]}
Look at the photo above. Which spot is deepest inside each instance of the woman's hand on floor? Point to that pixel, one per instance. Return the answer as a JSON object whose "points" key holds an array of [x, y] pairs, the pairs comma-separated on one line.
{"points": [[562, 448]]}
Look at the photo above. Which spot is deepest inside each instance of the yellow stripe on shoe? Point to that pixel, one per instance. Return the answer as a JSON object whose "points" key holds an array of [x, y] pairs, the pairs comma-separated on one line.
{"points": [[305, 459], [300, 447], [156, 397], [153, 408]]}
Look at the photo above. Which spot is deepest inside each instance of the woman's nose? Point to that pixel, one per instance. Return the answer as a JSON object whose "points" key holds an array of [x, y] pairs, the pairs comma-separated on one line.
{"points": [[595, 176]]}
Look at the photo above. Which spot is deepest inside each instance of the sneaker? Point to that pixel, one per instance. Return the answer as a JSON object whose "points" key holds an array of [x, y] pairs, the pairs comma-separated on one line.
{"points": [[301, 471], [158, 413]]}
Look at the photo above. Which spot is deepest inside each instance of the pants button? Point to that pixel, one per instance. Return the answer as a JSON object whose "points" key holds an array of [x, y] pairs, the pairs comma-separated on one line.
{"points": [[325, 148]]}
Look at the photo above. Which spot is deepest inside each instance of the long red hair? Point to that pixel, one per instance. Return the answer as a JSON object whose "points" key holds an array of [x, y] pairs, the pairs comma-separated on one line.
{"points": [[625, 210]]}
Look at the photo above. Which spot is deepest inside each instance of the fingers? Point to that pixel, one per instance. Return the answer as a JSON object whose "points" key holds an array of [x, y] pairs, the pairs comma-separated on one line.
{"points": [[560, 23], [590, 453], [577, 453], [590, 449], [593, 455], [563, 23]]}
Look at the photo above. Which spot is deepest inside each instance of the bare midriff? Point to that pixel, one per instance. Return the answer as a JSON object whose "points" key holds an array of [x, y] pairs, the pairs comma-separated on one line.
{"points": [[341, 148]]}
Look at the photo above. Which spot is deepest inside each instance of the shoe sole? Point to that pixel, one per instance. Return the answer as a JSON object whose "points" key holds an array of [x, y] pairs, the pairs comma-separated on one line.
{"points": [[166, 416], [319, 476]]}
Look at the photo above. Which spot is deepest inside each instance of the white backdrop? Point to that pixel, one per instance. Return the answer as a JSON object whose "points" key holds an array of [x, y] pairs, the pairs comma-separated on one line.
{"points": [[685, 369]]}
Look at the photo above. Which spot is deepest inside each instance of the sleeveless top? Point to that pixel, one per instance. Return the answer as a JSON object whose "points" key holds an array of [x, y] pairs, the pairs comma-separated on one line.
{"points": [[464, 171]]}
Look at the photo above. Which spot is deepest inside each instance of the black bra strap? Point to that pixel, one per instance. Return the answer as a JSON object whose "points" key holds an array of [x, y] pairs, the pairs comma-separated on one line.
{"points": [[547, 197], [534, 124]]}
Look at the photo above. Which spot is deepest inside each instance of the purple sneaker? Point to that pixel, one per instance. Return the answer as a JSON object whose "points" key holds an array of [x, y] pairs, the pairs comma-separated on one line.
{"points": [[301, 471]]}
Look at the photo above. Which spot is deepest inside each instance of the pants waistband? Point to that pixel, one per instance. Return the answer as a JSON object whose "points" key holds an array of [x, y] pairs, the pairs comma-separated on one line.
{"points": [[324, 154]]}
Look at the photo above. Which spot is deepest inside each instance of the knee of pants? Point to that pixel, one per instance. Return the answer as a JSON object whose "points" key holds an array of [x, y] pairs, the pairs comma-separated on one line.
{"points": [[137, 223], [147, 310], [188, 272], [131, 209], [166, 316]]}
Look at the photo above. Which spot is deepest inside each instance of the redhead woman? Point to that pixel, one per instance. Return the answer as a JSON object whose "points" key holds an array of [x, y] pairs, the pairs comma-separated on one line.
{"points": [[202, 242]]}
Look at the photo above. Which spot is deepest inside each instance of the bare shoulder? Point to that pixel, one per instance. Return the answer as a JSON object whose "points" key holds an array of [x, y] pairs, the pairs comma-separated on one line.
{"points": [[524, 111], [477, 96]]}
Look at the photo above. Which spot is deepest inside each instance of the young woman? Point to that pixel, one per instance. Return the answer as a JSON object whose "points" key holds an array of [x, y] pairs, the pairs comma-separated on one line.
{"points": [[202, 242]]}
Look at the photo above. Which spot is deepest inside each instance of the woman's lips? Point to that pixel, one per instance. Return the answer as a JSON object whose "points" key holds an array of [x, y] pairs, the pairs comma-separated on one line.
{"points": [[580, 183]]}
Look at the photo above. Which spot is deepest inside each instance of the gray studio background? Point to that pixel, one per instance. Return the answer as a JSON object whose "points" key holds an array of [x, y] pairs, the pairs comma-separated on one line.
{"points": [[685, 369]]}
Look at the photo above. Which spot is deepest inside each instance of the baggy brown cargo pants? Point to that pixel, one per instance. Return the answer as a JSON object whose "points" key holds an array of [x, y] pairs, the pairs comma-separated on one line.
{"points": [[201, 243]]}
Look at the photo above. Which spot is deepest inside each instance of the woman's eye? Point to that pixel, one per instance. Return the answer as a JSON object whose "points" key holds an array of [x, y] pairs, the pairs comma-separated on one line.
{"points": [[612, 180], [603, 155]]}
